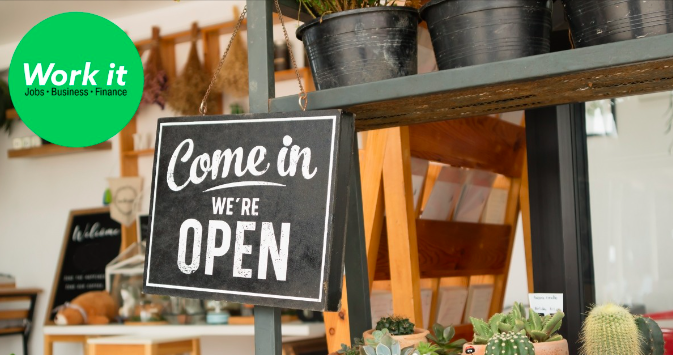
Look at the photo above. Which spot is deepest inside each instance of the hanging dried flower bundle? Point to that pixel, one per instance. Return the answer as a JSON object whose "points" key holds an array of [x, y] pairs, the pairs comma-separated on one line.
{"points": [[156, 81], [233, 78], [187, 91]]}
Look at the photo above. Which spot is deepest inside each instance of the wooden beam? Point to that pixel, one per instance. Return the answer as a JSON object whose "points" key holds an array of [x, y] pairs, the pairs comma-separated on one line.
{"points": [[337, 330], [401, 226], [211, 58], [449, 249], [372, 195], [483, 142]]}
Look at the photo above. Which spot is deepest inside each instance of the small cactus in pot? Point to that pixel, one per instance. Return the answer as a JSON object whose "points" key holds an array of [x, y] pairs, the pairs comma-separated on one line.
{"points": [[400, 329], [509, 343], [396, 325], [543, 329], [610, 329]]}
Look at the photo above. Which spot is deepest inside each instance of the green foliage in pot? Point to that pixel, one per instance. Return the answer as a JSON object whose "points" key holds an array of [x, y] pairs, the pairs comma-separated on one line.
{"points": [[396, 325], [384, 344], [427, 349], [543, 329], [610, 329], [443, 338], [346, 350], [509, 343], [318, 8], [651, 337]]}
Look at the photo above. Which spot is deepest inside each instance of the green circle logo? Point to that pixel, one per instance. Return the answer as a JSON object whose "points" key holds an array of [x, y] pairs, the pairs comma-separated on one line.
{"points": [[76, 79]]}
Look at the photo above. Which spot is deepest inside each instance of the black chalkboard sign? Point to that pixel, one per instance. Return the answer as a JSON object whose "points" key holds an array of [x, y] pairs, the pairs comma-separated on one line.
{"points": [[251, 208], [92, 239], [143, 224]]}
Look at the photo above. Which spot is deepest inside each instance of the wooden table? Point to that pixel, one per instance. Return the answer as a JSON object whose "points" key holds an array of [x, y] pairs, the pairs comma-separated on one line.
{"points": [[18, 295], [144, 345], [293, 331]]}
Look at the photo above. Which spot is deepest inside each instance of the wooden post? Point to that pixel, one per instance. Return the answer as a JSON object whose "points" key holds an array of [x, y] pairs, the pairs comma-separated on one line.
{"points": [[401, 226]]}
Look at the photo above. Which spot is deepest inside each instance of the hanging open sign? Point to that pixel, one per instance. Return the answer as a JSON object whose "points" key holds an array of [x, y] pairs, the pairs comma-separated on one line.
{"points": [[251, 208]]}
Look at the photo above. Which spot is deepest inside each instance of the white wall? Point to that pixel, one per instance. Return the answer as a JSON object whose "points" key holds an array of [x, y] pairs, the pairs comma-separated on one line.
{"points": [[36, 195], [631, 193]]}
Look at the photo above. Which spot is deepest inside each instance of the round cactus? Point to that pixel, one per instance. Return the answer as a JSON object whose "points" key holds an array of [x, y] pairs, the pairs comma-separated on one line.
{"points": [[396, 325], [510, 343], [651, 337], [610, 329]]}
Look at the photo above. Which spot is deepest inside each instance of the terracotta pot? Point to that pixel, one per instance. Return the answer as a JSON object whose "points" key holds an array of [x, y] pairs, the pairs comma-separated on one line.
{"points": [[553, 348], [478, 349], [404, 340]]}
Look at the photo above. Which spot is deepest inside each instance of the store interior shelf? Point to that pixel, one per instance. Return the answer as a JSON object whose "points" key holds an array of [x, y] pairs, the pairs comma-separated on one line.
{"points": [[11, 114], [297, 329], [53, 149], [138, 153], [611, 70]]}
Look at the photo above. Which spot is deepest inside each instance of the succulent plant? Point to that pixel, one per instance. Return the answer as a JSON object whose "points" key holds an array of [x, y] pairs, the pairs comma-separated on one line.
{"points": [[384, 344], [345, 350], [443, 336], [510, 343], [610, 329], [424, 348], [543, 329], [651, 337], [396, 325]]}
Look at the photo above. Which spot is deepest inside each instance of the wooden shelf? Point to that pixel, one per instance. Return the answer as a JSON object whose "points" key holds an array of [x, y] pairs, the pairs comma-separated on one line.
{"points": [[448, 249], [11, 114], [53, 149], [606, 71], [137, 153], [289, 74]]}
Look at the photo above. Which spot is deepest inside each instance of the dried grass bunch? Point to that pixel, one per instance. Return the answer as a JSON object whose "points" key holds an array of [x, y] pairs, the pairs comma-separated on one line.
{"points": [[187, 91], [233, 78], [156, 81]]}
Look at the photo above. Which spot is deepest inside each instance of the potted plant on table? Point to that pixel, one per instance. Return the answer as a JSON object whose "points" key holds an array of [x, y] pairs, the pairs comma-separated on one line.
{"points": [[443, 337], [540, 331], [400, 329], [384, 344], [359, 41]]}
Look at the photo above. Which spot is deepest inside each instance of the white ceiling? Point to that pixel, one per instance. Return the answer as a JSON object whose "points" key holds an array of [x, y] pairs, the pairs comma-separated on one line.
{"points": [[18, 17]]}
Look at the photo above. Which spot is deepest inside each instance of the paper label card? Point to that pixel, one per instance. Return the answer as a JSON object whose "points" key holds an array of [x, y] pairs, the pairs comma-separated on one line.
{"points": [[251, 208], [546, 303]]}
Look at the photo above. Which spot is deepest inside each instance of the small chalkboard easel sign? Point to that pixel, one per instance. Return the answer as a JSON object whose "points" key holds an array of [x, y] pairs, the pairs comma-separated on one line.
{"points": [[92, 239]]}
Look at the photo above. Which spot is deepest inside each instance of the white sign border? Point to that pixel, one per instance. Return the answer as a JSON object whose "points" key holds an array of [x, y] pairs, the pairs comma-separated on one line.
{"points": [[327, 214]]}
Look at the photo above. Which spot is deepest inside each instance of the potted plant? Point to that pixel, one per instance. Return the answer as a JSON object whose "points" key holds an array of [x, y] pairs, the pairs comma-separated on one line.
{"points": [[359, 41], [443, 338], [400, 329], [595, 22], [611, 329], [541, 331], [467, 33], [386, 345]]}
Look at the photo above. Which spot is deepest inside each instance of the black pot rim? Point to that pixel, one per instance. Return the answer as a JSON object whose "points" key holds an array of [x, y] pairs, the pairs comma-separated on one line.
{"points": [[319, 20], [430, 4]]}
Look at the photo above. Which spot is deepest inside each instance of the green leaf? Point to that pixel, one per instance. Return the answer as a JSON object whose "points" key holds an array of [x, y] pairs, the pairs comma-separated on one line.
{"points": [[458, 343], [535, 320], [504, 327], [556, 337], [554, 323], [369, 350], [438, 329], [383, 350], [481, 328], [449, 332], [539, 336]]}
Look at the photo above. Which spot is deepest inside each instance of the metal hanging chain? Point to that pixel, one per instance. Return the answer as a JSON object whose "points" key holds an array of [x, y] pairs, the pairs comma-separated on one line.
{"points": [[204, 106], [303, 100]]}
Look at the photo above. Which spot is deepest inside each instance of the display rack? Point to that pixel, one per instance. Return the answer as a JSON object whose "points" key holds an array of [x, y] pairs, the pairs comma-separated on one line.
{"points": [[53, 149]]}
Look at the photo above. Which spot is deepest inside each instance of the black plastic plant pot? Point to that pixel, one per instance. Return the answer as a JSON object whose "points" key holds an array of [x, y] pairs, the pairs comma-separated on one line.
{"points": [[471, 32], [361, 46], [595, 22]]}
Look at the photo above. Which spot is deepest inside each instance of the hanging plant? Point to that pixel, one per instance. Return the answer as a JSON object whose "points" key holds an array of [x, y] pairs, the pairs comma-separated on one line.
{"points": [[187, 91], [156, 80], [233, 78], [5, 104]]}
